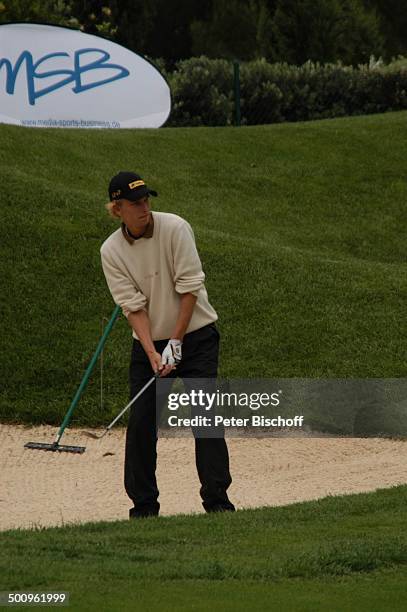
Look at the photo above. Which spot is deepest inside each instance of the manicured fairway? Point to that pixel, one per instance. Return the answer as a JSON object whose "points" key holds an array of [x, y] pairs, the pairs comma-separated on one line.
{"points": [[344, 553]]}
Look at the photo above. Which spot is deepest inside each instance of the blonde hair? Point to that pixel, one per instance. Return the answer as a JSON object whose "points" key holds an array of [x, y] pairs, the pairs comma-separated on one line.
{"points": [[112, 207]]}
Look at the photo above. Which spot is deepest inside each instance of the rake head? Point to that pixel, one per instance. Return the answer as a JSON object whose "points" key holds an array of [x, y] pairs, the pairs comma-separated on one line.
{"points": [[55, 447]]}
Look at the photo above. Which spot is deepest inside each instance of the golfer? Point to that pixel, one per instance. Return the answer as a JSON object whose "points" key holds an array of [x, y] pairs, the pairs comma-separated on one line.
{"points": [[154, 274]]}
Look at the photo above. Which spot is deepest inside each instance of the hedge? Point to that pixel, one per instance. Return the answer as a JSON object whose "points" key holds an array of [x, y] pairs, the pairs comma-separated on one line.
{"points": [[203, 91]]}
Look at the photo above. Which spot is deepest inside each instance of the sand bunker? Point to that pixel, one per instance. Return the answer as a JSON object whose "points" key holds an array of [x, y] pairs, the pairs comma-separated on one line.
{"points": [[39, 488]]}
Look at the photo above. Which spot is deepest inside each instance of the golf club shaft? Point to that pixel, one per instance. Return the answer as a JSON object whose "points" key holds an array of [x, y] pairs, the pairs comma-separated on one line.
{"points": [[152, 379]]}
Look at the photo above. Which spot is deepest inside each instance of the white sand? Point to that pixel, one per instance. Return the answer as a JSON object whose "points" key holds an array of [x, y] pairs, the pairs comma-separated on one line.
{"points": [[39, 488]]}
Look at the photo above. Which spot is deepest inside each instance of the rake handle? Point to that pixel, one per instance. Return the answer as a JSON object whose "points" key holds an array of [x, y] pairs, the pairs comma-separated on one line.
{"points": [[87, 374]]}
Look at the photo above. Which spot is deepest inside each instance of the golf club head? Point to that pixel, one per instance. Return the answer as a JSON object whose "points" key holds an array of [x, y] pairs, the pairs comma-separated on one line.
{"points": [[95, 436]]}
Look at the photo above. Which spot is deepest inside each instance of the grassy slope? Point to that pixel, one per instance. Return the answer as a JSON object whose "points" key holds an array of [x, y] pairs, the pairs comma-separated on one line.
{"points": [[301, 230], [339, 553]]}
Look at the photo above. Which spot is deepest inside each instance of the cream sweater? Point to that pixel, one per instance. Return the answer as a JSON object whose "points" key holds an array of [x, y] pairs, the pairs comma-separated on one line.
{"points": [[151, 274]]}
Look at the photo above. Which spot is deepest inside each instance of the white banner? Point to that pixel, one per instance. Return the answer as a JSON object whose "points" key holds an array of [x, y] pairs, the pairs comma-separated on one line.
{"points": [[52, 76]]}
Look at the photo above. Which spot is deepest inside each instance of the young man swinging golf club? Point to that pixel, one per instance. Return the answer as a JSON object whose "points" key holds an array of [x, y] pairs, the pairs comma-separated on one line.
{"points": [[154, 273]]}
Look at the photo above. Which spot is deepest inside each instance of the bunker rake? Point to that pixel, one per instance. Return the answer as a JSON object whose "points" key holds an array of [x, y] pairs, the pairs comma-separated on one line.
{"points": [[56, 446]]}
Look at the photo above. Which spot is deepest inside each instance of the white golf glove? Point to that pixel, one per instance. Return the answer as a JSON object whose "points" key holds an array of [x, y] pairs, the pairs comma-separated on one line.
{"points": [[172, 353]]}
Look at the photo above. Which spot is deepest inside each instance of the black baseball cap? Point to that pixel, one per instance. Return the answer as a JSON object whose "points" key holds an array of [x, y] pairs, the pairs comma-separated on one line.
{"points": [[129, 186]]}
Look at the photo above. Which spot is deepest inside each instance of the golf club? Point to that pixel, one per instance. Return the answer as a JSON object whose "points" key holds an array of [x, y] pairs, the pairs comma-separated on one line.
{"points": [[108, 428]]}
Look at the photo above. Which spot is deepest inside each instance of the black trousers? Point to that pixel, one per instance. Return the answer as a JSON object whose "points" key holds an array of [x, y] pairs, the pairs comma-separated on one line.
{"points": [[200, 351]]}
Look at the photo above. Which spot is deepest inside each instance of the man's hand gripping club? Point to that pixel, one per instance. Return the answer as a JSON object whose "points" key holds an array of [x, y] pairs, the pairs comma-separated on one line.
{"points": [[172, 353], [168, 361]]}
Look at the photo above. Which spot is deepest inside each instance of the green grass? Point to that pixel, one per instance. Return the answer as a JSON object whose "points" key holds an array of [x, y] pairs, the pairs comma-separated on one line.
{"points": [[300, 227], [338, 553]]}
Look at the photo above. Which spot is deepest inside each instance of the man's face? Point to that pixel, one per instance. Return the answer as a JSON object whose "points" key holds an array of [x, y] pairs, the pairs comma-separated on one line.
{"points": [[135, 214]]}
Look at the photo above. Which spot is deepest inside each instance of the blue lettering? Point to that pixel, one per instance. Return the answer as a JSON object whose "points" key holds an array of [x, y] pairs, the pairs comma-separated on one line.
{"points": [[95, 65], [69, 76], [50, 73], [12, 74]]}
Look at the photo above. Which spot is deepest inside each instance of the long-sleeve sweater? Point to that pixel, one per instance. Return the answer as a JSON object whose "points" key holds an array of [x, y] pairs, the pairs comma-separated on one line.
{"points": [[152, 273]]}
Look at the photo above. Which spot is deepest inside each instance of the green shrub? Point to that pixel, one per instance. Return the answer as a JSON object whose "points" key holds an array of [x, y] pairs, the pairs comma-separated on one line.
{"points": [[259, 91], [203, 92]]}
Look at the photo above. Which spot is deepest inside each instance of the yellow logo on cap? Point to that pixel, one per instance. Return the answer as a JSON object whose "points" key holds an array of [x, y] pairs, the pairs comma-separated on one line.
{"points": [[136, 184]]}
